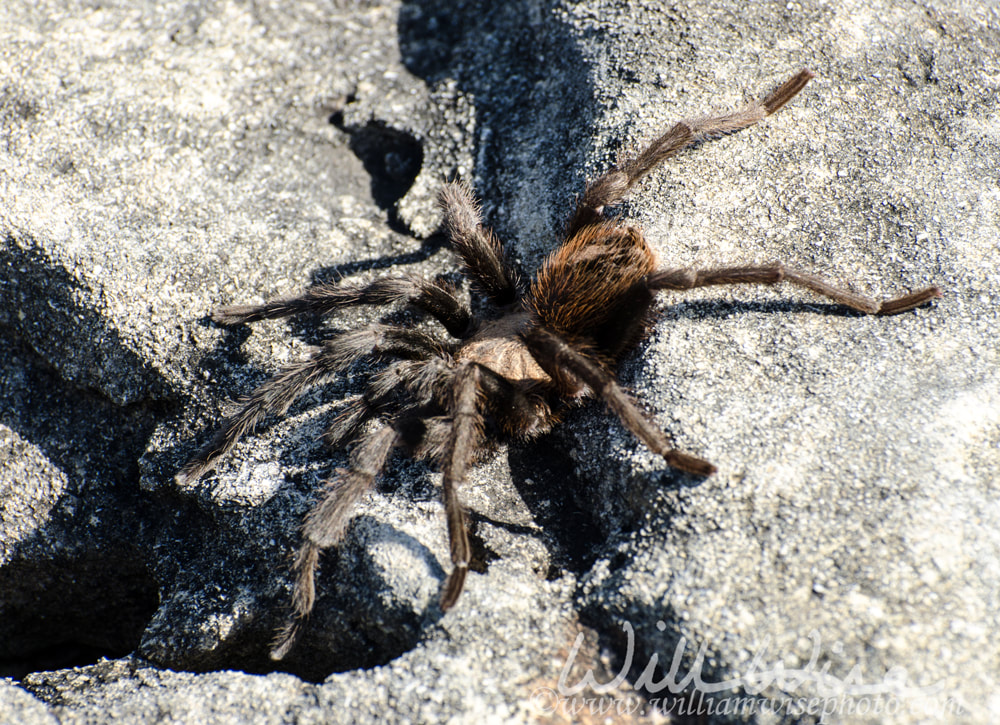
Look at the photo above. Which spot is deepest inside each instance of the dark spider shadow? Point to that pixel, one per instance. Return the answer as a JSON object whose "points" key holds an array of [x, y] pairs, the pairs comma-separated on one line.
{"points": [[426, 249], [722, 308]]}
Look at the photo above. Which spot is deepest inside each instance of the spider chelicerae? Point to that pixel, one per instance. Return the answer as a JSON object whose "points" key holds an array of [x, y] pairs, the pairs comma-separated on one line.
{"points": [[546, 346]]}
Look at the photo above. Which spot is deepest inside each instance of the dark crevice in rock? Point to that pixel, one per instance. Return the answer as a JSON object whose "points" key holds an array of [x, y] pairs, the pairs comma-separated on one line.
{"points": [[71, 612], [74, 583]]}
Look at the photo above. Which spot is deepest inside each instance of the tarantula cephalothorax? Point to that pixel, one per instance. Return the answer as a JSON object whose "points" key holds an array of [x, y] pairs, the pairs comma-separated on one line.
{"points": [[549, 345]]}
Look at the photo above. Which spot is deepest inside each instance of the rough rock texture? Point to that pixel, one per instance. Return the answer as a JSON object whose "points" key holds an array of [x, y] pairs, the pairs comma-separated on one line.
{"points": [[161, 159]]}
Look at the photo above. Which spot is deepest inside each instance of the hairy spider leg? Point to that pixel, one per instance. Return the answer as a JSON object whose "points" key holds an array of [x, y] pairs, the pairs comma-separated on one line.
{"points": [[433, 298], [275, 395], [683, 279], [346, 425], [466, 428], [360, 409], [472, 384], [556, 355], [483, 256], [326, 523], [609, 188]]}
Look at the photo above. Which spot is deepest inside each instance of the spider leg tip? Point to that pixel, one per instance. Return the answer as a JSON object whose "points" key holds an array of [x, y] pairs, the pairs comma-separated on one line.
{"points": [[452, 588], [691, 464], [224, 317]]}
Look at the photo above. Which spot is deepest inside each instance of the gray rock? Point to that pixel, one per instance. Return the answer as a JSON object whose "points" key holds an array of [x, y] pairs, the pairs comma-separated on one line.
{"points": [[161, 161]]}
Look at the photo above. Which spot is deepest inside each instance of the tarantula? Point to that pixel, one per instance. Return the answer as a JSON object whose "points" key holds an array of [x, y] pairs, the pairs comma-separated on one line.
{"points": [[548, 345]]}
